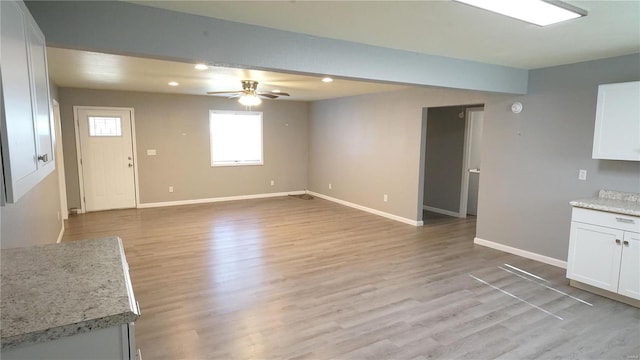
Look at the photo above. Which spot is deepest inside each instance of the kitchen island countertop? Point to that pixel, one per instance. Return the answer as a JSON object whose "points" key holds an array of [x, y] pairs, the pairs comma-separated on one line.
{"points": [[56, 290]]}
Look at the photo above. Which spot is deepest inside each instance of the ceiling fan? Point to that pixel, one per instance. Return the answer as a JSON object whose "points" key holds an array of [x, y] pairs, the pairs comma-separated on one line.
{"points": [[249, 95]]}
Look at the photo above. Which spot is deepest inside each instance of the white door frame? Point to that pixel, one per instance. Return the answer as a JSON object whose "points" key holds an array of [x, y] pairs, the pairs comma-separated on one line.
{"points": [[466, 158], [59, 157], [79, 150]]}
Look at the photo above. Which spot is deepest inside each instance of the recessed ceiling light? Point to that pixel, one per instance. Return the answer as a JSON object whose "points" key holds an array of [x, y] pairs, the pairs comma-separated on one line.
{"points": [[538, 12], [173, 83], [201, 67], [327, 80]]}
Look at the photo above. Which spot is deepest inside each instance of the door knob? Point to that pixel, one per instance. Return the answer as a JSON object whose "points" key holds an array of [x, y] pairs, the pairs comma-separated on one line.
{"points": [[43, 158], [130, 165]]}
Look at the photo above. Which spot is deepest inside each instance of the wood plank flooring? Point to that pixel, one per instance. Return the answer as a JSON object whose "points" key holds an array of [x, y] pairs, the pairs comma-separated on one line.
{"points": [[285, 278]]}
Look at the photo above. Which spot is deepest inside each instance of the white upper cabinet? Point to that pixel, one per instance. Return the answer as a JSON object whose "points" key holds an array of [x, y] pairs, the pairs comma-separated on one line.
{"points": [[26, 136], [617, 130]]}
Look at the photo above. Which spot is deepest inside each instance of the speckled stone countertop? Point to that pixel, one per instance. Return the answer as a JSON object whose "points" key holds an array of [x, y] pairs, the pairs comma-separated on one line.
{"points": [[612, 201], [57, 290]]}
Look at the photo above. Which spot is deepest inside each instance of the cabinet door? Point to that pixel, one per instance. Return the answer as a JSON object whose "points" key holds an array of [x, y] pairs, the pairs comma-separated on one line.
{"points": [[617, 128], [25, 131], [18, 133], [40, 94], [110, 343], [594, 255], [630, 266]]}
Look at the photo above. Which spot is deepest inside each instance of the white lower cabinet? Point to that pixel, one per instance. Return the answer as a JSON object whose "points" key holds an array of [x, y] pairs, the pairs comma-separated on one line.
{"points": [[604, 251], [629, 284], [114, 343]]}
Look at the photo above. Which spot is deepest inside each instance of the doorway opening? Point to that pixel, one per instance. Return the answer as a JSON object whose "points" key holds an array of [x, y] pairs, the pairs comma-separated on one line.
{"points": [[452, 137]]}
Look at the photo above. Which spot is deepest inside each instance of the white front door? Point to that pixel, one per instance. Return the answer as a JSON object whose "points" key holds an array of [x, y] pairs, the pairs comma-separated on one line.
{"points": [[106, 158]]}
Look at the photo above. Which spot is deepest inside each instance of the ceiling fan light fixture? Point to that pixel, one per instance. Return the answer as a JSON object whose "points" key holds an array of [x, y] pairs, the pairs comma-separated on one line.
{"points": [[249, 100]]}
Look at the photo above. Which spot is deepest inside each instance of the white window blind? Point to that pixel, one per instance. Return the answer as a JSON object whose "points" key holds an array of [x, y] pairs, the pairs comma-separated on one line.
{"points": [[236, 138]]}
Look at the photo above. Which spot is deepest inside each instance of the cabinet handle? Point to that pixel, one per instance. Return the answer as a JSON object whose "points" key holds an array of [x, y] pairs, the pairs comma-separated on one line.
{"points": [[623, 220], [618, 241], [626, 243], [43, 158]]}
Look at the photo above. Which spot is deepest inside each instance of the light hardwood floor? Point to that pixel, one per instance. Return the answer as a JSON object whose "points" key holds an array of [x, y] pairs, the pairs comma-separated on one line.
{"points": [[285, 278]]}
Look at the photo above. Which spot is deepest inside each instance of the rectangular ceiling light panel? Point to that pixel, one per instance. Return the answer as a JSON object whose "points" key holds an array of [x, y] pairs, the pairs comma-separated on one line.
{"points": [[537, 12]]}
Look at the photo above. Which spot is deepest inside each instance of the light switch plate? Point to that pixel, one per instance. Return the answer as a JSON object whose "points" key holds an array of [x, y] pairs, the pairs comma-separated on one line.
{"points": [[582, 174]]}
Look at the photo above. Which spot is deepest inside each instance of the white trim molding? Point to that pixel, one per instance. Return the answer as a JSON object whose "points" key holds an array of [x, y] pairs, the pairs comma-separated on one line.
{"points": [[369, 210], [441, 211], [520, 252], [60, 234], [218, 199]]}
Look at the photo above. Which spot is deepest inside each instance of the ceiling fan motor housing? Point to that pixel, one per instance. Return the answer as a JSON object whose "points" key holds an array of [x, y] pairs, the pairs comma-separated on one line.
{"points": [[249, 85]]}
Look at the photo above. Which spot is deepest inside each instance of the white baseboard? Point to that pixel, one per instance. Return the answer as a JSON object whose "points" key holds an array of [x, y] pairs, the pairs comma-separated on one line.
{"points": [[218, 199], [441, 211], [520, 252], [369, 210], [60, 234]]}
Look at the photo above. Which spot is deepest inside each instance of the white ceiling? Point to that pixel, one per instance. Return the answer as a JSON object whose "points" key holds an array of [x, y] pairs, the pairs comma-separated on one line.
{"points": [[445, 28]]}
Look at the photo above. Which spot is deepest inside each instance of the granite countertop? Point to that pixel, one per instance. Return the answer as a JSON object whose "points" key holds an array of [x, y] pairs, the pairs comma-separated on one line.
{"points": [[56, 290], [612, 201]]}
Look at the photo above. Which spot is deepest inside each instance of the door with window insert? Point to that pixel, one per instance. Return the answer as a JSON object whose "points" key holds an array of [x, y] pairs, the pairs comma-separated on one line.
{"points": [[106, 158]]}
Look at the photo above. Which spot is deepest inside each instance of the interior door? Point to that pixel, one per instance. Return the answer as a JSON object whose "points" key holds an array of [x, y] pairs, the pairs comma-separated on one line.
{"points": [[106, 158], [476, 117]]}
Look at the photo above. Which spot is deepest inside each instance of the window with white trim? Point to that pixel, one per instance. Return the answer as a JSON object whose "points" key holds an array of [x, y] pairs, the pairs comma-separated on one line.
{"points": [[236, 138]]}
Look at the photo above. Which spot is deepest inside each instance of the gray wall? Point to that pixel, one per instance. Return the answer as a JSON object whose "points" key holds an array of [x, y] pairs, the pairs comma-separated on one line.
{"points": [[34, 219], [371, 145], [530, 161], [443, 158], [119, 27], [177, 126]]}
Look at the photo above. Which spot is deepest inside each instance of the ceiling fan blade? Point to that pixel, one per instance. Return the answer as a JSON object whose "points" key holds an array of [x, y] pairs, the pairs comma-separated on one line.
{"points": [[225, 92], [267, 95], [273, 93]]}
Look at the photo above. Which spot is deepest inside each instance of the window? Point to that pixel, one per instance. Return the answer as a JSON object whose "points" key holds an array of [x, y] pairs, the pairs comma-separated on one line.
{"points": [[105, 126], [236, 138]]}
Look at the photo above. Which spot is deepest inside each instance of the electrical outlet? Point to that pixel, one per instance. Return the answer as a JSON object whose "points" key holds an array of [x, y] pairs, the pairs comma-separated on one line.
{"points": [[582, 174], [385, 198], [170, 189], [330, 186], [273, 182]]}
